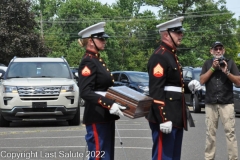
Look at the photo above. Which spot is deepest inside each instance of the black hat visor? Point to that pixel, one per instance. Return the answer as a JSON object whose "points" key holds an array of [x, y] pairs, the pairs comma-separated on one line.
{"points": [[179, 29], [100, 35]]}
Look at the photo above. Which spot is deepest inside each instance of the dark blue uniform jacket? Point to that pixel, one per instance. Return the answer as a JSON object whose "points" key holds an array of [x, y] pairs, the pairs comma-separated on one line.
{"points": [[95, 76], [165, 70]]}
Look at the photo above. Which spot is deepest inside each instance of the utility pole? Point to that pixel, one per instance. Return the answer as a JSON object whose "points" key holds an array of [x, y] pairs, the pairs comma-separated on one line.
{"points": [[41, 24]]}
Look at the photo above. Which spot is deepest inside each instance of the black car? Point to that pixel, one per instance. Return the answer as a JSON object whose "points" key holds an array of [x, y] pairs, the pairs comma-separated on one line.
{"points": [[74, 71], [197, 98], [236, 93], [133, 79]]}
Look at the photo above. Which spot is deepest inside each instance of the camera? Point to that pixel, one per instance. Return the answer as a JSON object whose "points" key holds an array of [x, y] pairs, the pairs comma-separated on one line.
{"points": [[221, 63]]}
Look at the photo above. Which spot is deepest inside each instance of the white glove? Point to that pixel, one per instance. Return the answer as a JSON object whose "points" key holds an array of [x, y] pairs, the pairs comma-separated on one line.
{"points": [[115, 109], [101, 93], [166, 127], [194, 85]]}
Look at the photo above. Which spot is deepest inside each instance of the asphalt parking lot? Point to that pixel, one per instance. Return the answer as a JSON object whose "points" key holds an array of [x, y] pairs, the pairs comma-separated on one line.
{"points": [[58, 141]]}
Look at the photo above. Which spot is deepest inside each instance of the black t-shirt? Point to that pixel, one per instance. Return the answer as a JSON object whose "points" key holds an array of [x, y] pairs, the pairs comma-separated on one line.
{"points": [[219, 89]]}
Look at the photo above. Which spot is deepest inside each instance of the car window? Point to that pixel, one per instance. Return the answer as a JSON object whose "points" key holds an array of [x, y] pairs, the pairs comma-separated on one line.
{"points": [[2, 71], [139, 77], [189, 75], [184, 72], [123, 77], [39, 69], [115, 76]]}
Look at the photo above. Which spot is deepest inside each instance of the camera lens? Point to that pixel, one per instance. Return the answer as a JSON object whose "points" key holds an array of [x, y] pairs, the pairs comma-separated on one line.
{"points": [[222, 64]]}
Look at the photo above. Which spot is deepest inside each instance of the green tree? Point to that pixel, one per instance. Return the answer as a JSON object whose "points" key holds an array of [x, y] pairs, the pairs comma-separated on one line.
{"points": [[205, 22], [133, 34], [18, 31]]}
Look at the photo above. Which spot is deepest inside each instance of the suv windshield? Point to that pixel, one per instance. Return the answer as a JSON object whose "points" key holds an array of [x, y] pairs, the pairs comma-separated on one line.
{"points": [[139, 77], [38, 69]]}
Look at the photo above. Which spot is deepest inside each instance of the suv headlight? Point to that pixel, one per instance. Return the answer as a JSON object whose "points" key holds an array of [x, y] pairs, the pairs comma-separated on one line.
{"points": [[67, 88], [10, 89]]}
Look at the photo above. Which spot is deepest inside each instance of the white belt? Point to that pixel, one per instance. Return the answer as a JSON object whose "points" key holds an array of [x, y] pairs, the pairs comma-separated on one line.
{"points": [[101, 93], [173, 89]]}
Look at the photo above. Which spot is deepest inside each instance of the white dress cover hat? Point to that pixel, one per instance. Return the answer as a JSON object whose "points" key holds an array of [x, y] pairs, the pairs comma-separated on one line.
{"points": [[172, 25], [96, 30]]}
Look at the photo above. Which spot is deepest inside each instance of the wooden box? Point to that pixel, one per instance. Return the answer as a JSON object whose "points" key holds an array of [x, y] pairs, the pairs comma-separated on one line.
{"points": [[138, 104]]}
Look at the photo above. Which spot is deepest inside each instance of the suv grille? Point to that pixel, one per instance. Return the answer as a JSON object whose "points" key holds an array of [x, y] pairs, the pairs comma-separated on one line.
{"points": [[39, 91]]}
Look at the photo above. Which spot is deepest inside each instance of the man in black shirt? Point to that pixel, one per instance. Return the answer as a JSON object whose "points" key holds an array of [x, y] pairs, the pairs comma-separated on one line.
{"points": [[218, 75]]}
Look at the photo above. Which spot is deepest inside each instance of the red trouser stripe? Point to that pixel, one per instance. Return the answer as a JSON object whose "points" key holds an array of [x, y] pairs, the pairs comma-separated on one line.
{"points": [[160, 146], [95, 133]]}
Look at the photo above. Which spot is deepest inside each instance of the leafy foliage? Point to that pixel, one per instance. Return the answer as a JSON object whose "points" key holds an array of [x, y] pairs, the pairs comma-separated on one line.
{"points": [[18, 32], [133, 33]]}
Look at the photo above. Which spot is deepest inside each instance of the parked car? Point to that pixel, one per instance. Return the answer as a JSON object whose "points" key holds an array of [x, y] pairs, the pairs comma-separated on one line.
{"points": [[236, 93], [3, 70], [74, 71], [197, 98], [38, 89], [133, 79]]}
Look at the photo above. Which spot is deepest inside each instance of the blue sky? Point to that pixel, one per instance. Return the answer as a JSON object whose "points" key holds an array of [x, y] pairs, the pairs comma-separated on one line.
{"points": [[232, 5]]}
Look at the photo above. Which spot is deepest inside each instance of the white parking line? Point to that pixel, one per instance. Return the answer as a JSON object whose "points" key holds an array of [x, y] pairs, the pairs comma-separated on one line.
{"points": [[70, 137], [72, 130], [71, 147]]}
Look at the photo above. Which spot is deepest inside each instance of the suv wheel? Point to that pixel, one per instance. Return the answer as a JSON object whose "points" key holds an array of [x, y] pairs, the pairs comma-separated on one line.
{"points": [[76, 120], [3, 122], [196, 106]]}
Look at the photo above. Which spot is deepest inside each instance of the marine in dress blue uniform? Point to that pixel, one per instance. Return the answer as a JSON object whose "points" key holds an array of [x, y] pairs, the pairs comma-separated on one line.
{"points": [[167, 117], [94, 79]]}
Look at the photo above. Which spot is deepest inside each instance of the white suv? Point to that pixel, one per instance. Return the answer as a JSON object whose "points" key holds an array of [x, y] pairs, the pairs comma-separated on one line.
{"points": [[38, 89]]}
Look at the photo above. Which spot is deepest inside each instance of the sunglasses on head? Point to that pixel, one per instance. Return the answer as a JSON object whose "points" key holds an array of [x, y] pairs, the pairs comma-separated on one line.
{"points": [[218, 48]]}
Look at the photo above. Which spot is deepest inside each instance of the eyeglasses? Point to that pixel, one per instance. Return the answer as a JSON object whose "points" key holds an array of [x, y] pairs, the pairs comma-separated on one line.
{"points": [[220, 49], [101, 39], [179, 32]]}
